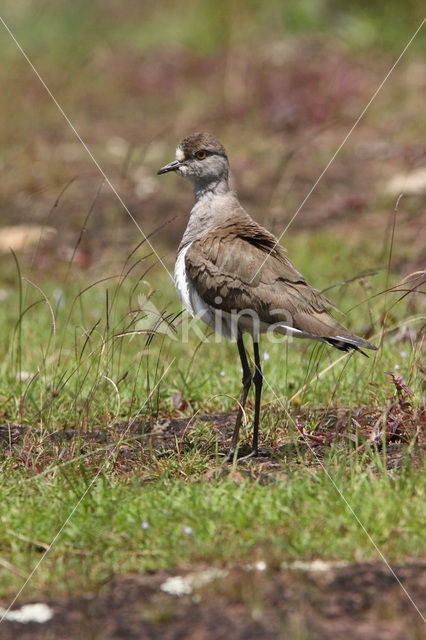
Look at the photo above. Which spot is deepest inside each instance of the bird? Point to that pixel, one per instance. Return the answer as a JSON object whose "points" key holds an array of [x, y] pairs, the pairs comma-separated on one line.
{"points": [[234, 275]]}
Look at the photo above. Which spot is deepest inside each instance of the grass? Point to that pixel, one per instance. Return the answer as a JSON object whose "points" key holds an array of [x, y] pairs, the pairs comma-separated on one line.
{"points": [[217, 522], [66, 377], [100, 367]]}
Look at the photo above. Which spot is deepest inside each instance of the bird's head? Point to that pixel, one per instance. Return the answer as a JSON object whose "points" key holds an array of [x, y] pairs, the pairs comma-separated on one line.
{"points": [[200, 158]]}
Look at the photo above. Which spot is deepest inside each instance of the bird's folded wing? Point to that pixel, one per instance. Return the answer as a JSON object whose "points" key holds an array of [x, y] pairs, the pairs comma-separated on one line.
{"points": [[240, 267]]}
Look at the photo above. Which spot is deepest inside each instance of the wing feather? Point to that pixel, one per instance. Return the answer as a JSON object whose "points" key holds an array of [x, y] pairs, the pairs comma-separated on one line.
{"points": [[240, 266]]}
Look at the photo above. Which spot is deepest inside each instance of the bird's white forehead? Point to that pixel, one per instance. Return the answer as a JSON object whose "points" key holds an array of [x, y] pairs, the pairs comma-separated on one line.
{"points": [[180, 156]]}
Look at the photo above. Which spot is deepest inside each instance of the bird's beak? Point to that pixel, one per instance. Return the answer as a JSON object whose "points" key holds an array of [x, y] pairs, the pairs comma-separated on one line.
{"points": [[172, 166]]}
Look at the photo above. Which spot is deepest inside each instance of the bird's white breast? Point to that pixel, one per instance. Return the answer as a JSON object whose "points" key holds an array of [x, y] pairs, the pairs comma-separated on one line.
{"points": [[182, 282], [187, 292]]}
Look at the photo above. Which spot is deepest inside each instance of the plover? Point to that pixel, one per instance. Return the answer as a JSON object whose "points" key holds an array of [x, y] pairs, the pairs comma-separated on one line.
{"points": [[233, 274]]}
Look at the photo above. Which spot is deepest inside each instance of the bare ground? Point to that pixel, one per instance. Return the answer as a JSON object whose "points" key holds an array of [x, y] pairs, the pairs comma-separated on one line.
{"points": [[126, 441], [356, 602]]}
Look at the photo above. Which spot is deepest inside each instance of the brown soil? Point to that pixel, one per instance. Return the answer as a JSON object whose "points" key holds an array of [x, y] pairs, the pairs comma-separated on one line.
{"points": [[357, 602], [128, 440]]}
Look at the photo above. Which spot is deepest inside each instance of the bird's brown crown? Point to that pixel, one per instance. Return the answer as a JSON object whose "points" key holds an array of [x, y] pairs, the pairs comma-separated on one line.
{"points": [[201, 141]]}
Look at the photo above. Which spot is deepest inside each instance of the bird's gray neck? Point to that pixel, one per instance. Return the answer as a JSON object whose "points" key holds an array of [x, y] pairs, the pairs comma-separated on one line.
{"points": [[214, 204], [206, 189]]}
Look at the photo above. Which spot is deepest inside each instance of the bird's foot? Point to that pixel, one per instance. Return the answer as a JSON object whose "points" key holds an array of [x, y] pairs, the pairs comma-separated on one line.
{"points": [[253, 454], [229, 457]]}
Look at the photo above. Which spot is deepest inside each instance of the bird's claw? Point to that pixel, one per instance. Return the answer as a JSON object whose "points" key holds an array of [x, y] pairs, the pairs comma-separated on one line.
{"points": [[229, 457]]}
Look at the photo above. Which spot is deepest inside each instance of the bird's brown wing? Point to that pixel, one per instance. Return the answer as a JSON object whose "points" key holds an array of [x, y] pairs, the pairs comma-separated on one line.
{"points": [[240, 266]]}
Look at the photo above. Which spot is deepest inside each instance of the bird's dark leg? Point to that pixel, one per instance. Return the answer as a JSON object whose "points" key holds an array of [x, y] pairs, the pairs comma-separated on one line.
{"points": [[247, 377], [258, 382]]}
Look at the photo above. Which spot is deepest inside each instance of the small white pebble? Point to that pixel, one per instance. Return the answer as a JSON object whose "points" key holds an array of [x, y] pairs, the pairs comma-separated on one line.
{"points": [[176, 586], [260, 565], [184, 585], [37, 612], [314, 565]]}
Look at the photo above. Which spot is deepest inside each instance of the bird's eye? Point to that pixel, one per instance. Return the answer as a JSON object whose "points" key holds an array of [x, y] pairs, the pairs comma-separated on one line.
{"points": [[200, 155]]}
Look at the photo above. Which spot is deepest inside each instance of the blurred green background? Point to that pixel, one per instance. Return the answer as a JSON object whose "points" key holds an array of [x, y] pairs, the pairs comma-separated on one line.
{"points": [[279, 83]]}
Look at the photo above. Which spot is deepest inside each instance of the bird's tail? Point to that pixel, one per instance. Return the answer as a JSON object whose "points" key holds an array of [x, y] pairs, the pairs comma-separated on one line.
{"points": [[351, 341]]}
